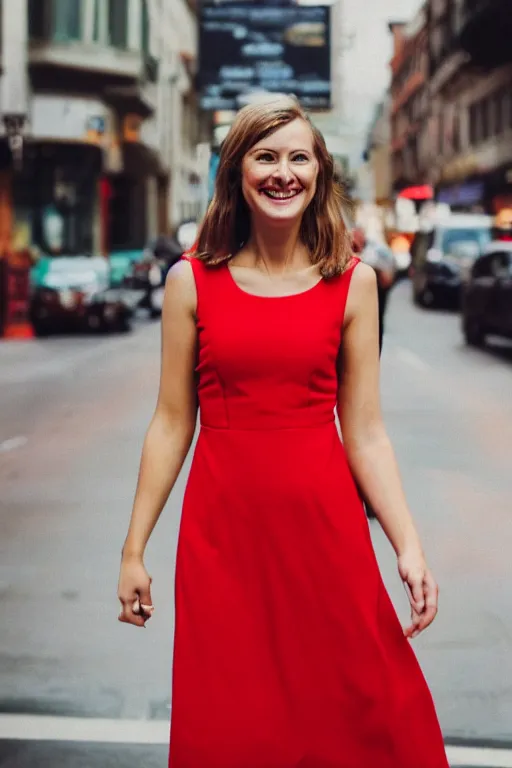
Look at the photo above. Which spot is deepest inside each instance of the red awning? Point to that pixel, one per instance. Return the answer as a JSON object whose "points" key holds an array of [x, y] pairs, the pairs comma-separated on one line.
{"points": [[424, 192]]}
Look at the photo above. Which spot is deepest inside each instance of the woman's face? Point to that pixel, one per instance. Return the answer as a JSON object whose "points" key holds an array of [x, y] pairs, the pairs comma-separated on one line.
{"points": [[279, 174]]}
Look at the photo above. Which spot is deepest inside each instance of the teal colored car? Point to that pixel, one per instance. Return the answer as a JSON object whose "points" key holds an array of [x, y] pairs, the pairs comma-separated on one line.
{"points": [[75, 292]]}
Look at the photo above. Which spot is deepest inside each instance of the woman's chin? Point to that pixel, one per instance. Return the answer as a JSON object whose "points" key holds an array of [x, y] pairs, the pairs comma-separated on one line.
{"points": [[279, 214]]}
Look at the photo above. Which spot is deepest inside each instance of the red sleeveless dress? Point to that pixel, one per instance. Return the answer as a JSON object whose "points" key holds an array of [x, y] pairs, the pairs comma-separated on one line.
{"points": [[288, 652]]}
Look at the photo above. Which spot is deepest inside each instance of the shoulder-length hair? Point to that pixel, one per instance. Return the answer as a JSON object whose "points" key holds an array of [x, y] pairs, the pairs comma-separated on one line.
{"points": [[226, 226]]}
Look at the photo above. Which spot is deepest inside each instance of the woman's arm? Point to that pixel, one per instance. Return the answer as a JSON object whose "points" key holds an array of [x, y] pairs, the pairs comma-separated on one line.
{"points": [[367, 445], [169, 435]]}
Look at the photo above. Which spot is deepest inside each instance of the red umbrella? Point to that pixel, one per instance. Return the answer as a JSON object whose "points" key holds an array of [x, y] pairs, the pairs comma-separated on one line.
{"points": [[424, 192]]}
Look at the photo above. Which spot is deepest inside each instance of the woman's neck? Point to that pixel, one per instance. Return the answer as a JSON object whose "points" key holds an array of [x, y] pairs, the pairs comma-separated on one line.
{"points": [[277, 249]]}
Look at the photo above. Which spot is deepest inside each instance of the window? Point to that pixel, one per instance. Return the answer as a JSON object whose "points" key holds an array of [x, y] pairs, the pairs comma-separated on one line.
{"points": [[438, 8], [485, 119], [473, 124], [144, 25], [501, 264], [453, 239], [481, 268], [118, 23], [498, 113], [37, 20], [436, 42], [67, 20], [96, 21], [456, 133], [59, 20]]}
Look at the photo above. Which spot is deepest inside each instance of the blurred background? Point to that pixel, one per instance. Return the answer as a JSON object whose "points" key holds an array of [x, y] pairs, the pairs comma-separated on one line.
{"points": [[112, 113]]}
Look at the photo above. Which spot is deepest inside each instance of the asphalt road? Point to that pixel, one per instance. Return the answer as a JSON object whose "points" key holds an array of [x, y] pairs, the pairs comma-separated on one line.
{"points": [[73, 412]]}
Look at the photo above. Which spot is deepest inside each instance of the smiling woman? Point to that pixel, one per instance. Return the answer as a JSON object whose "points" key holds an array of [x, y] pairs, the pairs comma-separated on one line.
{"points": [[288, 651]]}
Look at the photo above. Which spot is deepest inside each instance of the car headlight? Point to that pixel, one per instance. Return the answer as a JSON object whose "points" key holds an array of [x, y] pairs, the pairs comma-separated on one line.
{"points": [[69, 298]]}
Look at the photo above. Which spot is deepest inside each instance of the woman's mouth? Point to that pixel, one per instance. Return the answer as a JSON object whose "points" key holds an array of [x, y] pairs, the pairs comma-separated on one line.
{"points": [[279, 195]]}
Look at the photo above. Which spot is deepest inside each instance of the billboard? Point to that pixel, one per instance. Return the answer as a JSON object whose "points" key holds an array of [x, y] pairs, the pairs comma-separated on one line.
{"points": [[247, 49]]}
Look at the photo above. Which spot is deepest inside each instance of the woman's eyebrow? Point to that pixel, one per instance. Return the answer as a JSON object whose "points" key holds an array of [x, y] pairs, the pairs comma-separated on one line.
{"points": [[268, 149]]}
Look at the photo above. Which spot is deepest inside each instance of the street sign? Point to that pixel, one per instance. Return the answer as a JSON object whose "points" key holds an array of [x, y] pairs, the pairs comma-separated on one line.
{"points": [[246, 49]]}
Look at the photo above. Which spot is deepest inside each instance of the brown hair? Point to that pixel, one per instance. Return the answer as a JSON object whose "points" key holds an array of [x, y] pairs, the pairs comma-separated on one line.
{"points": [[226, 226]]}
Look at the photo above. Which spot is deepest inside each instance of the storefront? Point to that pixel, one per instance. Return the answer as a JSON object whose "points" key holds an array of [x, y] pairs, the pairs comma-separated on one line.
{"points": [[468, 196], [56, 193], [55, 198], [471, 183], [489, 193]]}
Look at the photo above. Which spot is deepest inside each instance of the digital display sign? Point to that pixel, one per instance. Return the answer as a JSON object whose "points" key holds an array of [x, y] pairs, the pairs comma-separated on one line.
{"points": [[247, 49]]}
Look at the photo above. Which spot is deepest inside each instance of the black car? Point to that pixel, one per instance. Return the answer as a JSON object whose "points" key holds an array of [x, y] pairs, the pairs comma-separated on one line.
{"points": [[487, 295], [61, 311], [441, 254]]}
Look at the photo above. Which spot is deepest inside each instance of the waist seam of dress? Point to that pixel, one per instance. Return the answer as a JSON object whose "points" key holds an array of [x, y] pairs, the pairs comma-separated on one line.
{"points": [[295, 427]]}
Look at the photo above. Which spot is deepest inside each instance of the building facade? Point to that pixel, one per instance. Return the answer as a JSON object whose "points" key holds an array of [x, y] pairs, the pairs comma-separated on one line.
{"points": [[378, 154], [105, 90], [470, 125], [409, 102]]}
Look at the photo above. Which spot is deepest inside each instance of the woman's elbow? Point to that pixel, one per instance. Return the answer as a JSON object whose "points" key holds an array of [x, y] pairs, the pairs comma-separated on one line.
{"points": [[176, 422], [364, 436]]}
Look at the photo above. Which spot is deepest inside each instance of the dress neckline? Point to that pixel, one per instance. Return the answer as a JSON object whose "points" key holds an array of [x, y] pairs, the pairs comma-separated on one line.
{"points": [[267, 298]]}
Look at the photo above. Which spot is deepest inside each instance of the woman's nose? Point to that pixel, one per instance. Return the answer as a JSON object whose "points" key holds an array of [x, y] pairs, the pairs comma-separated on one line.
{"points": [[283, 171]]}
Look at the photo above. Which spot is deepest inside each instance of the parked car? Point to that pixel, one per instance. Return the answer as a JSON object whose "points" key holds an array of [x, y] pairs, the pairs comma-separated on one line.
{"points": [[440, 255], [73, 293], [487, 295], [148, 274]]}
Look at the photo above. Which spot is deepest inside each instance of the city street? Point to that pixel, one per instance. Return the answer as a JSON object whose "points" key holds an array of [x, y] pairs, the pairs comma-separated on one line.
{"points": [[73, 416]]}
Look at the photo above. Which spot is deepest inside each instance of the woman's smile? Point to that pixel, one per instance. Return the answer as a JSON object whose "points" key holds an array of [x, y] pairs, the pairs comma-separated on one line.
{"points": [[281, 196]]}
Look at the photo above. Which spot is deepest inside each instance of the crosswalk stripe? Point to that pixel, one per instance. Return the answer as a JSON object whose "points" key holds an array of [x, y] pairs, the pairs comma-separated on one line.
{"points": [[105, 731], [479, 757], [156, 733]]}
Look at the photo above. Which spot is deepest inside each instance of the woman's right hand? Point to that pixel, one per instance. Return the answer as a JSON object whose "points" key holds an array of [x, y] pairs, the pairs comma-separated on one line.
{"points": [[134, 592]]}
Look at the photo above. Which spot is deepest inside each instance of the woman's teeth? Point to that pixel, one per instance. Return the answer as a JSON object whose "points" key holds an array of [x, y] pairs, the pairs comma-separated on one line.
{"points": [[280, 195]]}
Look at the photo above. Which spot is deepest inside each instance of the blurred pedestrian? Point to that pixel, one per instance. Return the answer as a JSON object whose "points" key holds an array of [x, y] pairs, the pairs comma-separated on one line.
{"points": [[380, 257], [287, 648]]}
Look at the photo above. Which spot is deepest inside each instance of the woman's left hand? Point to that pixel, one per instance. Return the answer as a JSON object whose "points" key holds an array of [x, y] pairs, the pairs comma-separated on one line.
{"points": [[421, 589]]}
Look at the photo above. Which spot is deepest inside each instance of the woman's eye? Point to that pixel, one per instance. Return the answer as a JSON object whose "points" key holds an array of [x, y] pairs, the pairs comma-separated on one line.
{"points": [[300, 157], [266, 157]]}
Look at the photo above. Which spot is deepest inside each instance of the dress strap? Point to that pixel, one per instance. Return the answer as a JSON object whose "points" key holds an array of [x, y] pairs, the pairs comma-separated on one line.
{"points": [[207, 281]]}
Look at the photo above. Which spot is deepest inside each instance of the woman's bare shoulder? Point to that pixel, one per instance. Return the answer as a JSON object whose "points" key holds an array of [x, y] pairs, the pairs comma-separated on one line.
{"points": [[363, 277], [362, 290], [181, 284]]}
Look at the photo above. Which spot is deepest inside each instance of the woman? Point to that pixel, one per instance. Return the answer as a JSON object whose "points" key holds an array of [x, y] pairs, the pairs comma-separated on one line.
{"points": [[287, 651]]}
